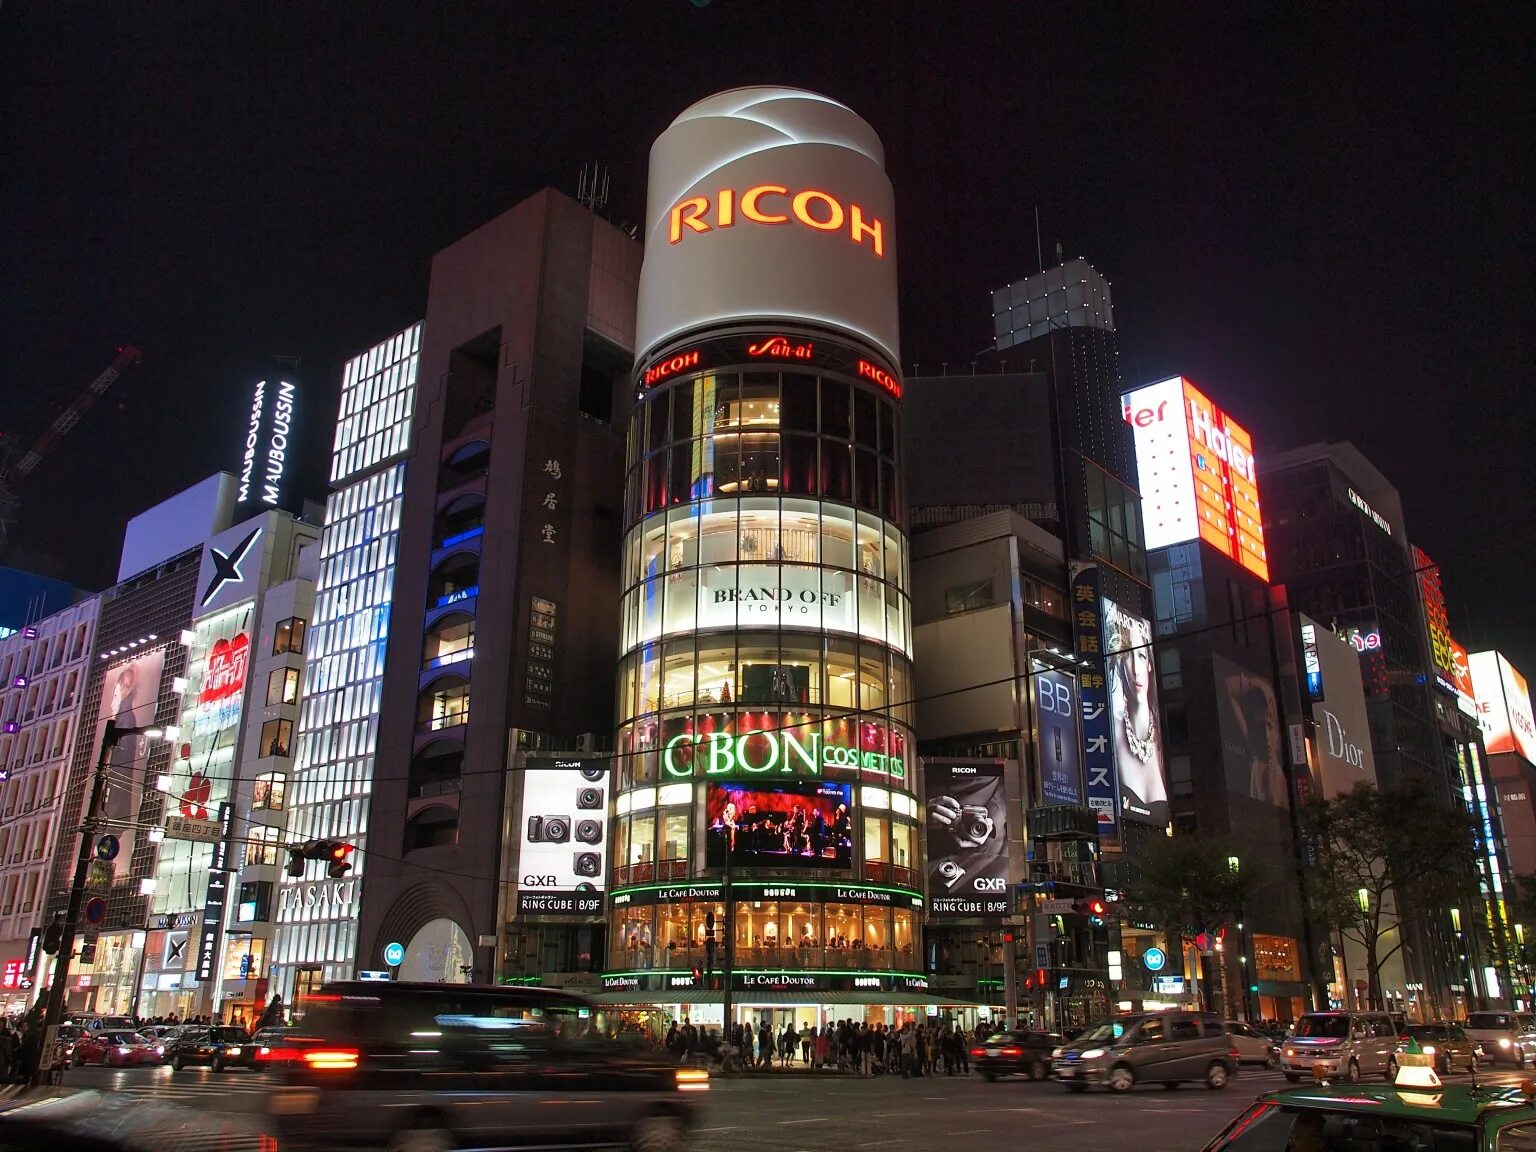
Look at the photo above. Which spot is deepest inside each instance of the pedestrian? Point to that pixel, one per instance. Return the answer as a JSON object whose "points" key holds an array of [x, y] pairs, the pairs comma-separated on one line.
{"points": [[764, 1044], [806, 1032]]}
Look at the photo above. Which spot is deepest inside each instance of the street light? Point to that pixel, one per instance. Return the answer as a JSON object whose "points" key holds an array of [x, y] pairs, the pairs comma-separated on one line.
{"points": [[54, 1013]]}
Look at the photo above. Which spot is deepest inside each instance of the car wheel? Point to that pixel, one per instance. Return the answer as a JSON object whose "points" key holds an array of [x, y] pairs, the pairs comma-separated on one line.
{"points": [[657, 1134], [217, 1065], [1121, 1078], [1216, 1076], [422, 1140], [177, 1063], [1293, 1077], [1443, 1064], [1352, 1073], [1039, 1070], [1391, 1072], [989, 1077], [1519, 1057], [77, 1060], [1073, 1086], [1271, 1061]]}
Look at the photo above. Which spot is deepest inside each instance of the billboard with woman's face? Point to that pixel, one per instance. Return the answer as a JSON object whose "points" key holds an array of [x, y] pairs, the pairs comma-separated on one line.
{"points": [[1135, 723], [1250, 733], [130, 695]]}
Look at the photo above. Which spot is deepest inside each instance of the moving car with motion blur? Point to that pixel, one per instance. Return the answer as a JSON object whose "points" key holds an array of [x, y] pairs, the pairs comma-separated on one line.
{"points": [[113, 1050], [429, 1067], [1416, 1113], [218, 1047], [277, 1048], [1018, 1053], [1447, 1042], [1167, 1048], [1253, 1046], [1505, 1037]]}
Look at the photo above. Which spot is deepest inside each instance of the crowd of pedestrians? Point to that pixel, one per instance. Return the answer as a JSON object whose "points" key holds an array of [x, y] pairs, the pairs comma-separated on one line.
{"points": [[21, 1045], [845, 1046]]}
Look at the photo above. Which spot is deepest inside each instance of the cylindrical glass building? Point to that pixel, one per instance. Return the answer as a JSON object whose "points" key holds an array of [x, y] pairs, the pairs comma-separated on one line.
{"points": [[765, 682]]}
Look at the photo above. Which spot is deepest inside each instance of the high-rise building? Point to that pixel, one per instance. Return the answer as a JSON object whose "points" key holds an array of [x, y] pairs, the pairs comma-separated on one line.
{"points": [[766, 814], [505, 599], [334, 735], [43, 669]]}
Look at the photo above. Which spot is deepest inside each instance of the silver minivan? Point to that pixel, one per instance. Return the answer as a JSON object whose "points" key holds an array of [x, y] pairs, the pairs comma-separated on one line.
{"points": [[1168, 1048], [1347, 1045]]}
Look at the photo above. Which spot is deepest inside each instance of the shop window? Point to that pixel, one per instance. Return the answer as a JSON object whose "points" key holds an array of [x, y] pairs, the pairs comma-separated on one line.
{"points": [[283, 686], [642, 840], [451, 640], [289, 636], [674, 835], [903, 837], [276, 738], [269, 791], [444, 705], [262, 845], [255, 904], [875, 838], [456, 578]]}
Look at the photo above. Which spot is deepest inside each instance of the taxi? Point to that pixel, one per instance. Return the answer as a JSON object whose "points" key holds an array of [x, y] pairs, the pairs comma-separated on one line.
{"points": [[1416, 1112]]}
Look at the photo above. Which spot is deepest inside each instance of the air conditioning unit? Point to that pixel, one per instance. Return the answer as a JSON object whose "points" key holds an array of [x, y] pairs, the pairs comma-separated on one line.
{"points": [[586, 742]]}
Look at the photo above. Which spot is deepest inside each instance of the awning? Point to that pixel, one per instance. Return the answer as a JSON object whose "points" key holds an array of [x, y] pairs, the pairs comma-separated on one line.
{"points": [[743, 999]]}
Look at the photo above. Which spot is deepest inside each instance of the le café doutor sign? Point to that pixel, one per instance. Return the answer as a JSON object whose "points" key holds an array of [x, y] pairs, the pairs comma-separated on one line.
{"points": [[786, 752]]}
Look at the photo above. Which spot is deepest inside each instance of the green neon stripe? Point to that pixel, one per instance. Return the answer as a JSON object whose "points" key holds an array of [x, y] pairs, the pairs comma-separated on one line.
{"points": [[751, 884], [776, 972]]}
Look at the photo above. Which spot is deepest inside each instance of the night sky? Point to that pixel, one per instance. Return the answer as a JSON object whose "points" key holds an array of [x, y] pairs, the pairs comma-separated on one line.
{"points": [[1322, 220]]}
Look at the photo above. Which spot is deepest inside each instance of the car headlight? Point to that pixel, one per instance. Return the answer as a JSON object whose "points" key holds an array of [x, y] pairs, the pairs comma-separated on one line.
{"points": [[1290, 1051], [1503, 1041], [235, 1051], [1429, 1049], [1093, 1054], [1056, 1053]]}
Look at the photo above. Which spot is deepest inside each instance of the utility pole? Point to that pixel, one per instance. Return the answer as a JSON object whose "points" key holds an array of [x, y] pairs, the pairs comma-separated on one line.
{"points": [[728, 968], [54, 1014]]}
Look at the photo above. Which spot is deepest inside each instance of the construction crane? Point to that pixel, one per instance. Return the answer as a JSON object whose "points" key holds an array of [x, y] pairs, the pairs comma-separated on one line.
{"points": [[11, 472]]}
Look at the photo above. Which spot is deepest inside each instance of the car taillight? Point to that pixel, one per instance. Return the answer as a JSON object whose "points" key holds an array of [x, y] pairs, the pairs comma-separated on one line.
{"points": [[334, 1059], [1233, 1053], [1013, 1051], [689, 1079], [978, 1052], [1404, 1038]]}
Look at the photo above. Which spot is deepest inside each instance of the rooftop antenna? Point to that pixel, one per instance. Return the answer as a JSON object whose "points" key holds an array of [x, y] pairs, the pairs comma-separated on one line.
{"points": [[592, 188], [1039, 254], [1059, 260]]}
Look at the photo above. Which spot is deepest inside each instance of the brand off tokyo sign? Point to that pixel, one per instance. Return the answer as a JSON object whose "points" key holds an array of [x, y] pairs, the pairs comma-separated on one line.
{"points": [[768, 204]]}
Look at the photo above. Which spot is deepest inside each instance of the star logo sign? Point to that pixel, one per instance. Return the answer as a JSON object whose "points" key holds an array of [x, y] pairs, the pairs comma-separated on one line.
{"points": [[226, 566]]}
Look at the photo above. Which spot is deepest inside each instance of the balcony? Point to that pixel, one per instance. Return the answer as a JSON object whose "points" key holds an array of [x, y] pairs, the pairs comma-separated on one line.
{"points": [[649, 870], [1082, 873]]}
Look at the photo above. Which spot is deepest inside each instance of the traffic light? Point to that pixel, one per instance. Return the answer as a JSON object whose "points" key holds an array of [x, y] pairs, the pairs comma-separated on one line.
{"points": [[698, 976], [53, 938], [1092, 907], [337, 853], [333, 852]]}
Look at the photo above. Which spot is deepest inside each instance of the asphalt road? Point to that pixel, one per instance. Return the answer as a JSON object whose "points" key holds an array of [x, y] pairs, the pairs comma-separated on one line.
{"points": [[793, 1112]]}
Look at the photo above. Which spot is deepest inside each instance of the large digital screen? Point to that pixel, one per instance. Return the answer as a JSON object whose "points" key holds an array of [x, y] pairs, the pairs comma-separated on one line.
{"points": [[768, 203], [788, 825], [130, 695], [1198, 478], [967, 816], [1250, 733], [1135, 723], [1061, 773], [562, 863], [1436, 619], [1503, 706], [1343, 756]]}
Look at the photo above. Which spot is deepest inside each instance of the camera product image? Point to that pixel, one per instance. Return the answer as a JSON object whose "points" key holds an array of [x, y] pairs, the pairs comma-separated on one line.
{"points": [[549, 829], [593, 774], [586, 886], [589, 798], [975, 827], [951, 873], [587, 864], [589, 831]]}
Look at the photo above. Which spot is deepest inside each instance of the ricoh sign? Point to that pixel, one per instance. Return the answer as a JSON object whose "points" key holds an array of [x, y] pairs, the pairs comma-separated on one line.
{"points": [[768, 204]]}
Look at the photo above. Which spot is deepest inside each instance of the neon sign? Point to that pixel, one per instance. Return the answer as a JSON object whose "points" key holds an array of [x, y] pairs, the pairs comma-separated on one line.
{"points": [[779, 348], [758, 753], [881, 377], [814, 209], [1376, 517], [1364, 641], [671, 366]]}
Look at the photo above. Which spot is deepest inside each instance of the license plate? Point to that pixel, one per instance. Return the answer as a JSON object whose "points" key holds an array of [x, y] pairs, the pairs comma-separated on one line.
{"points": [[293, 1101], [1066, 1072], [994, 1051]]}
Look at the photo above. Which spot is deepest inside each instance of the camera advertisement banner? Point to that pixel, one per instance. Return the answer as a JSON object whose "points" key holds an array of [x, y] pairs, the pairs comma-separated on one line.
{"points": [[1061, 772], [562, 865], [1098, 753], [967, 814]]}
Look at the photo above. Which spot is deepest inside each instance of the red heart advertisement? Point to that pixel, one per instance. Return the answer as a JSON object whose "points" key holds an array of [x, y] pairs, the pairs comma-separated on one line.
{"points": [[227, 664]]}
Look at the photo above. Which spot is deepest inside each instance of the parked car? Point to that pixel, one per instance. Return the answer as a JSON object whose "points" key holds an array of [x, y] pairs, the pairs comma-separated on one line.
{"points": [[65, 1040], [1505, 1037], [1447, 1042], [1348, 1045], [1253, 1046], [106, 1023], [159, 1037], [1017, 1053], [276, 1048], [113, 1050], [445, 1065], [219, 1047], [1169, 1048]]}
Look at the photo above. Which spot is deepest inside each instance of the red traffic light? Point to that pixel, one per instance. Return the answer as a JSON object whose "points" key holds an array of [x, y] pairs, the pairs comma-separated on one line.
{"points": [[1096, 908], [340, 851], [698, 973]]}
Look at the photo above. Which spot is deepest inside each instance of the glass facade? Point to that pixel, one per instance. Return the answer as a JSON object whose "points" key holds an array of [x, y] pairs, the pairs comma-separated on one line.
{"points": [[765, 683], [332, 777]]}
